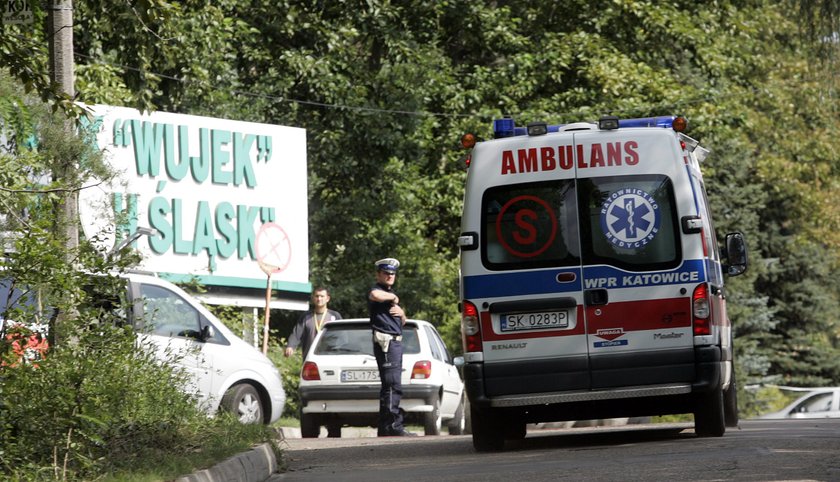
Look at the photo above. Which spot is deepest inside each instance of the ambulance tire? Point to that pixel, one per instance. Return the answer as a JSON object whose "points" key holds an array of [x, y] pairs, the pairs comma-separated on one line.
{"points": [[310, 426], [730, 404], [515, 430], [432, 420], [708, 416], [487, 430]]}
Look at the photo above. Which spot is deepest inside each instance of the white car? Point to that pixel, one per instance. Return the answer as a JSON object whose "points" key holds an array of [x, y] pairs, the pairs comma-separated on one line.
{"points": [[340, 381], [224, 371], [227, 372], [818, 403]]}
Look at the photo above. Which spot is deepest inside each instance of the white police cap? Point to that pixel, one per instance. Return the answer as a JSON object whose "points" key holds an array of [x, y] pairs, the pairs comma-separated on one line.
{"points": [[388, 264]]}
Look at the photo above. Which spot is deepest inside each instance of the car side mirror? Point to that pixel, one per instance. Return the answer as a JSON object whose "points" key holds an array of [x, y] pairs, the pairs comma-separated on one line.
{"points": [[458, 361], [735, 254]]}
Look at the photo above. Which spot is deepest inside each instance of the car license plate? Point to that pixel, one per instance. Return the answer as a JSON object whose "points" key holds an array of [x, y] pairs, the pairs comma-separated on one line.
{"points": [[360, 375], [535, 321]]}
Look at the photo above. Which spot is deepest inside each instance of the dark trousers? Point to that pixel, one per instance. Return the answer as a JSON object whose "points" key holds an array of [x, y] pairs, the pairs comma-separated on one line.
{"points": [[390, 373]]}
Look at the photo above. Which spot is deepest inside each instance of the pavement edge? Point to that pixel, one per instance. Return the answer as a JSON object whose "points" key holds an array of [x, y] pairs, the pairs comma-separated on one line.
{"points": [[255, 465]]}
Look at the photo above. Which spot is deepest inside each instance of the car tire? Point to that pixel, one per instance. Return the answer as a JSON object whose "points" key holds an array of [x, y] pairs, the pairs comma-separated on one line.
{"points": [[244, 403], [310, 426], [515, 430], [459, 422], [487, 431], [708, 416], [432, 421]]}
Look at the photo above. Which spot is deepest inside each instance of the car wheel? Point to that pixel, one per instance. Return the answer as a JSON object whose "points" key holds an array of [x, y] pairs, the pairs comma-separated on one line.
{"points": [[310, 427], [459, 421], [244, 403], [432, 420], [515, 430], [488, 433], [708, 416]]}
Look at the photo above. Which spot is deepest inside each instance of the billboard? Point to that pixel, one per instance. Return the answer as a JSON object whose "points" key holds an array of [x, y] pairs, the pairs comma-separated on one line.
{"points": [[226, 200]]}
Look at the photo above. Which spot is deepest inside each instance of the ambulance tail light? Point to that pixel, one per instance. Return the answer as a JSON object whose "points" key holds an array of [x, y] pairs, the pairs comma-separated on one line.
{"points": [[310, 371], [422, 370], [701, 309], [470, 328]]}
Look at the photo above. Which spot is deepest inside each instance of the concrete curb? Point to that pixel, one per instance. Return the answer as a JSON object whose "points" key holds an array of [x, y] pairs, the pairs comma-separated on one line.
{"points": [[255, 465]]}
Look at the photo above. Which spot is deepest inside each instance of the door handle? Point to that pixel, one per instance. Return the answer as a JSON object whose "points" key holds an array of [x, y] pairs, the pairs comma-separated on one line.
{"points": [[596, 297]]}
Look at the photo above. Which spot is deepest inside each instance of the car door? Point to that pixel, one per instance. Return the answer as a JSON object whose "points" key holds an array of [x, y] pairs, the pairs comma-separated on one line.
{"points": [[451, 379], [637, 285], [174, 327]]}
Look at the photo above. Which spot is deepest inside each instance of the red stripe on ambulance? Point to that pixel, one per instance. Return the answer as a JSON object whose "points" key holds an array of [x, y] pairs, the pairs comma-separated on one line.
{"points": [[640, 315]]}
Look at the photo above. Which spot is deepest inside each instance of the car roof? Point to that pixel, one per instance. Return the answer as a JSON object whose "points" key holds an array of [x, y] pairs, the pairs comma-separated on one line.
{"points": [[367, 320]]}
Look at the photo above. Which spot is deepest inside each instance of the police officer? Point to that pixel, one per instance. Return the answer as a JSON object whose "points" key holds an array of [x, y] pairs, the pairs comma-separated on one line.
{"points": [[386, 321]]}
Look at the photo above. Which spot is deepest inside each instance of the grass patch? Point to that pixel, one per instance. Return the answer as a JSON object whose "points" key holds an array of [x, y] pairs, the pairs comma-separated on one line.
{"points": [[220, 439]]}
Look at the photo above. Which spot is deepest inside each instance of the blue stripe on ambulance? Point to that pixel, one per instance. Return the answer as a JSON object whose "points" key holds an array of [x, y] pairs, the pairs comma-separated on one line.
{"points": [[545, 282], [521, 283]]}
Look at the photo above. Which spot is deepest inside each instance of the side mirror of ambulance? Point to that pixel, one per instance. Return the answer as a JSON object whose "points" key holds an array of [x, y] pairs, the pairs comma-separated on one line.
{"points": [[736, 254]]}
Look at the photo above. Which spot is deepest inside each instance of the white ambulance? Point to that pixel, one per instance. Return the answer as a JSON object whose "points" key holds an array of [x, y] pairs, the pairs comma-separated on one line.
{"points": [[591, 279]]}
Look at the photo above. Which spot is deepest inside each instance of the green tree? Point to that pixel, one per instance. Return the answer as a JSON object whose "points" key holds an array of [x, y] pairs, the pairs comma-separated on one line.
{"points": [[385, 89]]}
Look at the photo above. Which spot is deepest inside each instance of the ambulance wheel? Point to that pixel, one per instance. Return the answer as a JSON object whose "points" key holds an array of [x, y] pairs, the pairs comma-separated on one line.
{"points": [[487, 433], [730, 404], [515, 430], [310, 427], [708, 416], [432, 420]]}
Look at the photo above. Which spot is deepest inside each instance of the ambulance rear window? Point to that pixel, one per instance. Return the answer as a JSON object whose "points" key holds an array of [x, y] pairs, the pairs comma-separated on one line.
{"points": [[531, 225], [629, 222]]}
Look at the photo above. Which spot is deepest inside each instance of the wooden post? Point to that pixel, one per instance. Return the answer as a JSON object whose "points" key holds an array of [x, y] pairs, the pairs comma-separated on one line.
{"points": [[267, 312]]}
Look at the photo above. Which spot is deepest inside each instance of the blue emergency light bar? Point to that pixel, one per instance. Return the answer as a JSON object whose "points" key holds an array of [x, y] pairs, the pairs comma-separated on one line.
{"points": [[507, 127]]}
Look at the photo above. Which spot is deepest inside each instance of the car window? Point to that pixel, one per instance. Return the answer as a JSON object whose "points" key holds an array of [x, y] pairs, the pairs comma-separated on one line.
{"points": [[345, 340], [446, 356], [21, 304], [434, 344], [168, 314], [349, 339], [514, 216], [818, 403], [629, 222]]}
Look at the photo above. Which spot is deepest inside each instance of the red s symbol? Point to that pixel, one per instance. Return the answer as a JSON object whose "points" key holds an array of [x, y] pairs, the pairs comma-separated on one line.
{"points": [[524, 225]]}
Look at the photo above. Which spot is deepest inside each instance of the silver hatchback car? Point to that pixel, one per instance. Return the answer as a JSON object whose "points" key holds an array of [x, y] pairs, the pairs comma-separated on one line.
{"points": [[818, 403], [340, 384]]}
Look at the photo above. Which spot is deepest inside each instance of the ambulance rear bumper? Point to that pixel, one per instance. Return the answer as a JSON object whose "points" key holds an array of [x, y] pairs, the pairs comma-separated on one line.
{"points": [[708, 368]]}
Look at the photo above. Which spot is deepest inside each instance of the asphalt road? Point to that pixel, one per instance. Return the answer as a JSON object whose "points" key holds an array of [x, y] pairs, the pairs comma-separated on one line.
{"points": [[757, 450]]}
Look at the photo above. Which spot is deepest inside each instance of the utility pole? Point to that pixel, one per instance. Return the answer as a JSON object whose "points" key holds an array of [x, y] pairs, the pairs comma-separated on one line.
{"points": [[60, 28]]}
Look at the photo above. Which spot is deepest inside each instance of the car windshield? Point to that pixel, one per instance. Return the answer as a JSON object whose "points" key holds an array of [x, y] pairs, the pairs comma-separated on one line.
{"points": [[22, 304], [355, 338]]}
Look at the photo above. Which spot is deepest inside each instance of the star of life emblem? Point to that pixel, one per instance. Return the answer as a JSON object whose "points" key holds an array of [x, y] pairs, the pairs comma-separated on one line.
{"points": [[630, 218]]}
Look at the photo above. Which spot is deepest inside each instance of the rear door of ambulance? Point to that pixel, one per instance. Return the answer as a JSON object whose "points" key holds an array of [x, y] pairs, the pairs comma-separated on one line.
{"points": [[579, 278], [524, 275], [639, 270]]}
